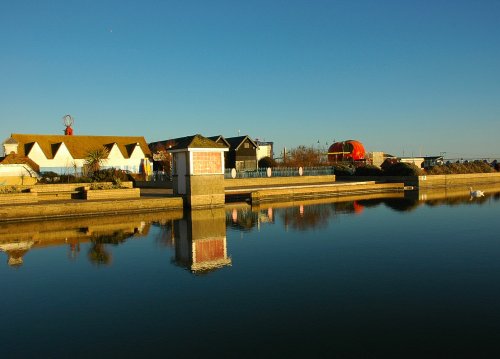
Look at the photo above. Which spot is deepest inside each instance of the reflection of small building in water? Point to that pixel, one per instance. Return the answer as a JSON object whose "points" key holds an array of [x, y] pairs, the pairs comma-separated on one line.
{"points": [[15, 251], [200, 244]]}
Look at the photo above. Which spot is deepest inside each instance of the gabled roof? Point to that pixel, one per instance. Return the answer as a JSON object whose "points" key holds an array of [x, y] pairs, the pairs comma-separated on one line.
{"points": [[219, 139], [55, 147], [193, 141], [10, 141], [130, 148], [235, 142], [196, 141], [16, 159], [78, 146], [433, 157]]}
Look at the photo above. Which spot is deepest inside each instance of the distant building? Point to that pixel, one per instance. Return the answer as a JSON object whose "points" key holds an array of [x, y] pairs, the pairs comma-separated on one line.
{"points": [[17, 170], [423, 162], [65, 154], [417, 161], [242, 153], [431, 161], [376, 158], [163, 160], [264, 149]]}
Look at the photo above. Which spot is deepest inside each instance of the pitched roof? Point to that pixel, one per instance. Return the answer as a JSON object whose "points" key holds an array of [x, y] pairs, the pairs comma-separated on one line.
{"points": [[78, 146], [219, 139], [10, 141], [16, 159], [196, 141], [235, 142], [193, 141]]}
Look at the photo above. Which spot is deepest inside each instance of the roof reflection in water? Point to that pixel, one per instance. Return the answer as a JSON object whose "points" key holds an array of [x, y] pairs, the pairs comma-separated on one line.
{"points": [[200, 241], [199, 237], [18, 238]]}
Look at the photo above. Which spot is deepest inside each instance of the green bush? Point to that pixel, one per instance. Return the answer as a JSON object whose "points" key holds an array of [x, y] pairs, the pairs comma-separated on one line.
{"points": [[461, 168], [9, 189], [266, 162], [110, 175], [99, 186], [480, 167], [49, 177], [402, 169], [343, 169], [369, 170]]}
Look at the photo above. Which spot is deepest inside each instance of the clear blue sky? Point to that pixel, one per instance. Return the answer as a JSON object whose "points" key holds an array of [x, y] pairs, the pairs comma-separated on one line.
{"points": [[412, 76]]}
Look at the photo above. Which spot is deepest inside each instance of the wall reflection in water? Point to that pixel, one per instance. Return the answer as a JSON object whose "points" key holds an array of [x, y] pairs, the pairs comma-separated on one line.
{"points": [[198, 238], [308, 214], [200, 241], [18, 238]]}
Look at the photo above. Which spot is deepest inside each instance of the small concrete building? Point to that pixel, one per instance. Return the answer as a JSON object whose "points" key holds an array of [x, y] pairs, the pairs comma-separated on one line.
{"points": [[200, 242], [65, 154], [198, 171]]}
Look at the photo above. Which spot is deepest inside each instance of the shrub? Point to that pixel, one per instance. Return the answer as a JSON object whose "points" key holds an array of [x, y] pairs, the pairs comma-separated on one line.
{"points": [[496, 165], [480, 167], [402, 169], [369, 170], [266, 162], [461, 168], [110, 175], [99, 186], [49, 177], [9, 189], [388, 162], [343, 169]]}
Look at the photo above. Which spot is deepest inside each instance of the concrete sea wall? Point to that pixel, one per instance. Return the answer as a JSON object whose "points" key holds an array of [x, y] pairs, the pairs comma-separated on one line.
{"points": [[63, 209], [323, 191], [469, 179], [268, 181]]}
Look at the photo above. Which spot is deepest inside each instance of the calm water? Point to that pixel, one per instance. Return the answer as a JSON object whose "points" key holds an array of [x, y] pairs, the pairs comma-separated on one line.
{"points": [[360, 278]]}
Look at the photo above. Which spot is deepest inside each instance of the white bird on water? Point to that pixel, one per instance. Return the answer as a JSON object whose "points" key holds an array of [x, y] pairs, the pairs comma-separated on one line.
{"points": [[475, 194]]}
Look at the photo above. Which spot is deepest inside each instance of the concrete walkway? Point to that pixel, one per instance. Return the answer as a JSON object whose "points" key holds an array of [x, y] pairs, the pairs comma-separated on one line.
{"points": [[162, 199]]}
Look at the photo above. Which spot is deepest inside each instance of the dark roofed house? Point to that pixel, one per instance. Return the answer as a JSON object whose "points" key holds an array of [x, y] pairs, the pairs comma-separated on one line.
{"points": [[242, 153], [162, 159]]}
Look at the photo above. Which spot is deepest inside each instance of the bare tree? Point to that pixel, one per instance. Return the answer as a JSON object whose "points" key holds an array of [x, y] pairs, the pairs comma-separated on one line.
{"points": [[304, 157]]}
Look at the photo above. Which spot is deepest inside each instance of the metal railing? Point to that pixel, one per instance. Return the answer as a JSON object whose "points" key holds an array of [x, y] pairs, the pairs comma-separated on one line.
{"points": [[159, 176], [281, 172]]}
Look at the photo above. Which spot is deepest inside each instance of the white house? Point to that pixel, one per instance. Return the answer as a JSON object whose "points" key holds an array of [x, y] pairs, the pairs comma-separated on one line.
{"points": [[65, 154], [17, 170]]}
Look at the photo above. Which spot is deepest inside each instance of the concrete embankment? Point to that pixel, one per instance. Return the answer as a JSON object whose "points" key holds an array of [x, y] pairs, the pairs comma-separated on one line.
{"points": [[469, 179], [259, 190], [326, 190], [283, 203], [75, 208]]}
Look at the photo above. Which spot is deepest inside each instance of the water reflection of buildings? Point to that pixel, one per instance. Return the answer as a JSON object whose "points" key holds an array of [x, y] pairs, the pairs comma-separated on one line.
{"points": [[200, 241], [17, 239], [455, 195], [316, 213], [299, 215]]}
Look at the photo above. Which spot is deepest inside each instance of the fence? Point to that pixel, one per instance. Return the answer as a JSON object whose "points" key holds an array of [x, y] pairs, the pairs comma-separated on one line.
{"points": [[281, 172], [159, 176]]}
